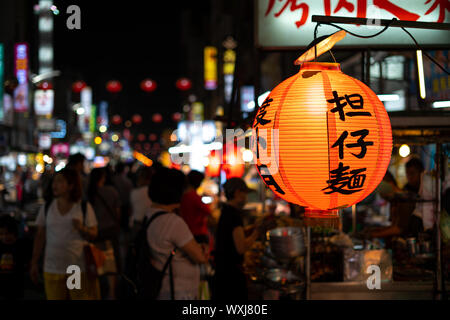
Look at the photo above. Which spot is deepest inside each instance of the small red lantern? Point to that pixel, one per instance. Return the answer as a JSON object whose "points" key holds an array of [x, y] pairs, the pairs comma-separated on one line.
{"points": [[148, 85], [183, 84], [147, 146], [45, 85], [152, 137], [78, 86], [137, 118], [214, 166], [141, 137], [176, 116], [126, 134], [114, 86], [157, 118], [116, 119], [234, 165]]}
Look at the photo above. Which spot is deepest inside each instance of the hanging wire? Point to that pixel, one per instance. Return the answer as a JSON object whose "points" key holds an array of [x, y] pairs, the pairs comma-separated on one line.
{"points": [[425, 53], [332, 56], [377, 34]]}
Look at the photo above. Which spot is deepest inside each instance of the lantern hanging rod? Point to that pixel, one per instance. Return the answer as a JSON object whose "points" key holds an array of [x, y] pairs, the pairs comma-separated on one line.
{"points": [[381, 22]]}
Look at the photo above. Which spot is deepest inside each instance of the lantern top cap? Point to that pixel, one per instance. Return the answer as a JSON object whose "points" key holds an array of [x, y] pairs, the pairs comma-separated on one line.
{"points": [[320, 66], [322, 47]]}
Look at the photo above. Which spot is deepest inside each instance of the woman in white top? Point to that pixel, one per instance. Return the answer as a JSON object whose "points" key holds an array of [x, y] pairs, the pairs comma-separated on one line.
{"points": [[168, 232], [62, 228]]}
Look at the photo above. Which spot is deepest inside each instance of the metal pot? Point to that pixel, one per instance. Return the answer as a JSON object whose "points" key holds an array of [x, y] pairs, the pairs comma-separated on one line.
{"points": [[286, 242], [282, 279]]}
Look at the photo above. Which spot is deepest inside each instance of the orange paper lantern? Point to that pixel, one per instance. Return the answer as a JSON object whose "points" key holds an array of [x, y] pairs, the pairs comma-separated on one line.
{"points": [[233, 166], [214, 166], [322, 139]]}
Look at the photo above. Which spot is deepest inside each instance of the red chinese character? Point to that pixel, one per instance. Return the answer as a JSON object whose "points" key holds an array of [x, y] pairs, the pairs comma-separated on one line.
{"points": [[293, 7], [443, 4], [350, 7], [400, 13]]}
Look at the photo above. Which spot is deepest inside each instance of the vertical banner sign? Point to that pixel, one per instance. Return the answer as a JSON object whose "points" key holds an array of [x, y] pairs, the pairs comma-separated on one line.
{"points": [[103, 114], [21, 72], [1, 83], [93, 117], [86, 102], [210, 65], [247, 96], [8, 109], [197, 111], [229, 60]]}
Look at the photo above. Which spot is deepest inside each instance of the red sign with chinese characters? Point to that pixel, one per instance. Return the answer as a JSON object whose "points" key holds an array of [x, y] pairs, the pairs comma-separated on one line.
{"points": [[287, 23]]}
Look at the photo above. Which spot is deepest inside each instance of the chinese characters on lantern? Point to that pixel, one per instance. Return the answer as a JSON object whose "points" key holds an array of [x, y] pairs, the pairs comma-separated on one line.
{"points": [[343, 179], [262, 160]]}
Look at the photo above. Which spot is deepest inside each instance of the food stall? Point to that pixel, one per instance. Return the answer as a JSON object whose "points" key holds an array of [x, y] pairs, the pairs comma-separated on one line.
{"points": [[331, 263]]}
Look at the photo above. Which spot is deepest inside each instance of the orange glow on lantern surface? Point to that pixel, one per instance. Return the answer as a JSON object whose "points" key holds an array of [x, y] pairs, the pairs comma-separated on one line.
{"points": [[328, 154]]}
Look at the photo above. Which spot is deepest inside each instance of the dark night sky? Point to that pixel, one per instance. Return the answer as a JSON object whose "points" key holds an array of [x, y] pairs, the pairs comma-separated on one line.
{"points": [[128, 41]]}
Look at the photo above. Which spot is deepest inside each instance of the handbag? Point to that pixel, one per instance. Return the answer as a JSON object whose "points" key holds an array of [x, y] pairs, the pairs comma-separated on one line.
{"points": [[99, 259], [94, 259]]}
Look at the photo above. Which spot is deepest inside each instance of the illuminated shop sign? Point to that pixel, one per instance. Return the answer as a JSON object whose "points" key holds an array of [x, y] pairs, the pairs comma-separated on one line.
{"points": [[287, 23], [21, 72]]}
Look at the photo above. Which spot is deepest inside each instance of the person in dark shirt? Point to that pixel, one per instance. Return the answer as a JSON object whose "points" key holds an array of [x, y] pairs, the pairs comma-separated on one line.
{"points": [[404, 223], [231, 244], [14, 258]]}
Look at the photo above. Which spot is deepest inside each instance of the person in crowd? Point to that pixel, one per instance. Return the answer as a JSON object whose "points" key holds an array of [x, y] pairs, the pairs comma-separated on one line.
{"points": [[15, 256], [3, 190], [76, 162], [403, 222], [45, 182], [140, 202], [388, 188], [193, 210], [63, 226], [124, 186], [231, 244], [168, 232], [106, 204], [18, 183], [109, 175]]}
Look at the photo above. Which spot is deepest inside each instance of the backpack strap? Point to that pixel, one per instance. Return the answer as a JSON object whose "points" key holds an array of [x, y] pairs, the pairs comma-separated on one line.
{"points": [[154, 216], [168, 263]]}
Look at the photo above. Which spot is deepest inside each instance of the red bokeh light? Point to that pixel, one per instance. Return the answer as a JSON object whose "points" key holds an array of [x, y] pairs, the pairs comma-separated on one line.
{"points": [[176, 116], [137, 118], [78, 86], [116, 119], [114, 86], [148, 85], [183, 84], [157, 118], [45, 85]]}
